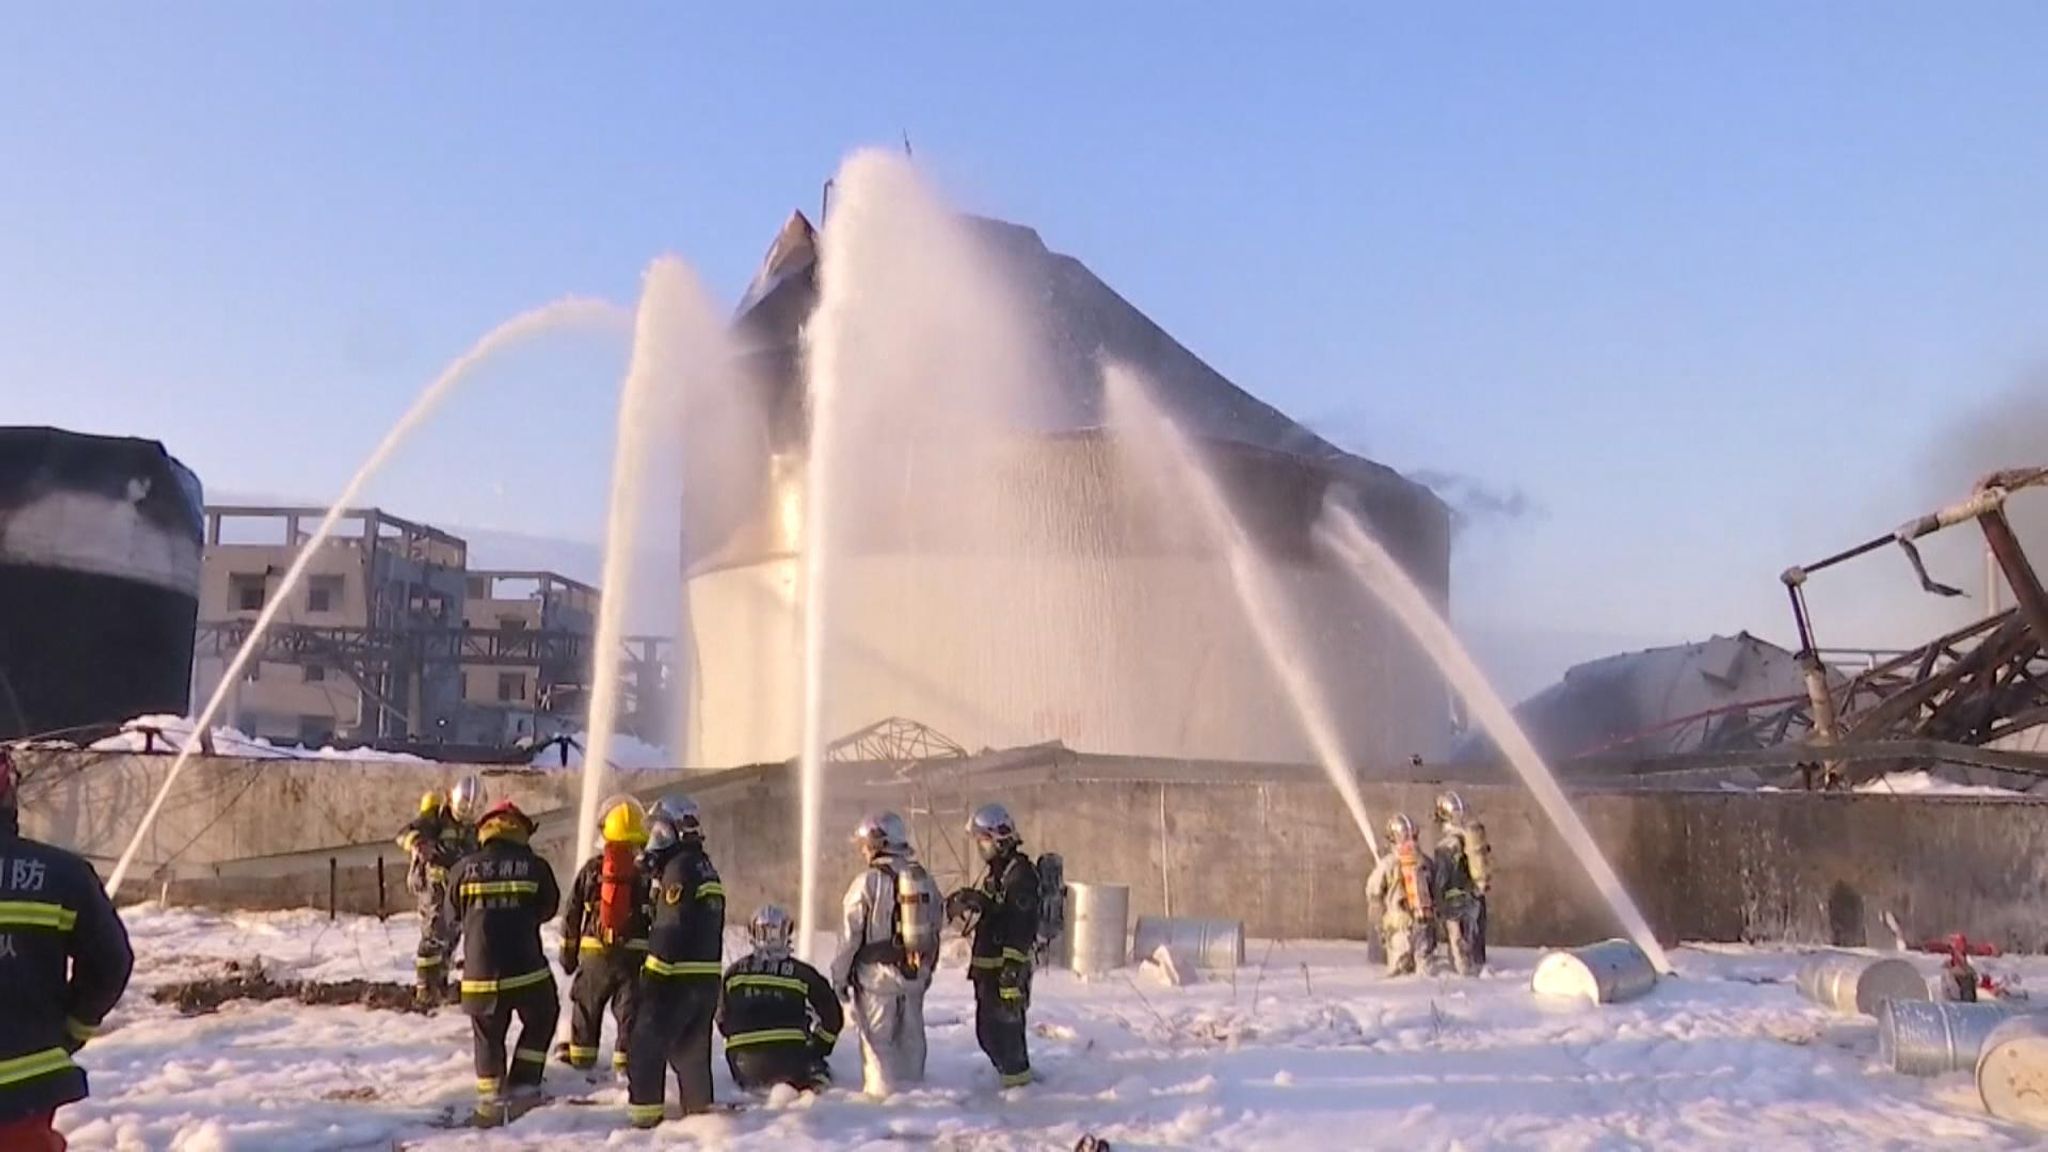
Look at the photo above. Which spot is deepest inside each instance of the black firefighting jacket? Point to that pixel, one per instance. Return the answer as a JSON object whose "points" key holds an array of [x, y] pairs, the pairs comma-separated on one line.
{"points": [[580, 923], [687, 937], [64, 962], [500, 895], [1007, 929], [772, 1001]]}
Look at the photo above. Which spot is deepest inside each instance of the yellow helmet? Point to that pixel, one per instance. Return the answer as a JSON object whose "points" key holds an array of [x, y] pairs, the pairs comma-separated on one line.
{"points": [[625, 825], [432, 802]]}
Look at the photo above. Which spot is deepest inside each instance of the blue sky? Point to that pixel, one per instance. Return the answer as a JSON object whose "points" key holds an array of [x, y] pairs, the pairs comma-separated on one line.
{"points": [[1708, 286]]}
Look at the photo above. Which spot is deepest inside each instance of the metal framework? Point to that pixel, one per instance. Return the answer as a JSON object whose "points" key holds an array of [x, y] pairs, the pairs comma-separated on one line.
{"points": [[384, 663], [895, 741], [1973, 686]]}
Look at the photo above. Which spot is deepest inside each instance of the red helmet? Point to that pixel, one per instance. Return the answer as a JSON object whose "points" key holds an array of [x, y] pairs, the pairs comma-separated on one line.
{"points": [[505, 811]]}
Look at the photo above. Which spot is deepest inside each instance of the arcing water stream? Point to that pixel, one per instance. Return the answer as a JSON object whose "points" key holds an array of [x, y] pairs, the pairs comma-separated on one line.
{"points": [[1133, 412], [677, 333], [1340, 532], [548, 318]]}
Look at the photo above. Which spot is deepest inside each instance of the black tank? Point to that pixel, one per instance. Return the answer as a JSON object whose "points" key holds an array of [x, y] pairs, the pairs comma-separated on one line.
{"points": [[100, 547]]}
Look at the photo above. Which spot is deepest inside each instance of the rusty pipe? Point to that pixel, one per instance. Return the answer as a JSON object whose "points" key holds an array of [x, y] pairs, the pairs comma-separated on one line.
{"points": [[1826, 729], [1984, 501], [2027, 592], [2013, 479]]}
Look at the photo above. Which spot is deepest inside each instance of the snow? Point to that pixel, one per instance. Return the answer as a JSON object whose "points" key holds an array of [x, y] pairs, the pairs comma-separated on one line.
{"points": [[1921, 783], [1307, 1047], [171, 732]]}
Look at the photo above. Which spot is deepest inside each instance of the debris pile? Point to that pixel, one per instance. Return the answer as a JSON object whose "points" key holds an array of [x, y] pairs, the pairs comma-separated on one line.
{"points": [[241, 980]]}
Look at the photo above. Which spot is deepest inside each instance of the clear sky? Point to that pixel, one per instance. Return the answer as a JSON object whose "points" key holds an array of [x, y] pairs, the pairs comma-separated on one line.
{"points": [[1707, 285]]}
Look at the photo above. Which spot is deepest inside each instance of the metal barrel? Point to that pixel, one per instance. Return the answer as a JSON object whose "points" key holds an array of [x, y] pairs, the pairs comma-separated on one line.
{"points": [[1215, 945], [2012, 1070], [1852, 984], [1098, 926], [1605, 973], [1935, 1037]]}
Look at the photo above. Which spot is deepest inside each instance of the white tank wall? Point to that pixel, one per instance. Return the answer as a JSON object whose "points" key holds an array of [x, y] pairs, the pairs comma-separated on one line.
{"points": [[1146, 656]]}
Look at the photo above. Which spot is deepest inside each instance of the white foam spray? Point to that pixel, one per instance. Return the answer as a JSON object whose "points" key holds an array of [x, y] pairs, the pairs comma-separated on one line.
{"points": [[676, 334], [1339, 531], [525, 326], [1134, 413], [917, 365]]}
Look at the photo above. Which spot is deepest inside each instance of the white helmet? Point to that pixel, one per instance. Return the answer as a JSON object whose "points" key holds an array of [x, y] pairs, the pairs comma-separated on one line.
{"points": [[993, 831], [771, 931], [466, 800], [882, 834]]}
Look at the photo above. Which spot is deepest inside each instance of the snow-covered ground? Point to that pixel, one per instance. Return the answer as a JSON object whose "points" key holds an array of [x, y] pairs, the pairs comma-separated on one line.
{"points": [[1920, 783], [168, 733], [1307, 1049]]}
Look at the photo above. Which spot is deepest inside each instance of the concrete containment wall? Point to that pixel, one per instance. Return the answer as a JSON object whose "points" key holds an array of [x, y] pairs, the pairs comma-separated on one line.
{"points": [[1271, 846], [229, 808]]}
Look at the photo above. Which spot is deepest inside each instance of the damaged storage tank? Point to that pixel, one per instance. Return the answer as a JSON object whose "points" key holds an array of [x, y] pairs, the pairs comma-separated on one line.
{"points": [[1041, 587], [100, 544]]}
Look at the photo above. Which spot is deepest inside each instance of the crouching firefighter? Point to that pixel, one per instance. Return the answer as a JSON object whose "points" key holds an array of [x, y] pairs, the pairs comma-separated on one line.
{"points": [[499, 896], [64, 963], [604, 938], [1402, 892], [439, 836], [679, 982], [778, 1014], [888, 950], [1464, 871], [1004, 909]]}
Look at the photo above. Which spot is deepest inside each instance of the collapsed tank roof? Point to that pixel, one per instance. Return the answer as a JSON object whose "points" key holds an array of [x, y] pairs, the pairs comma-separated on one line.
{"points": [[1082, 321]]}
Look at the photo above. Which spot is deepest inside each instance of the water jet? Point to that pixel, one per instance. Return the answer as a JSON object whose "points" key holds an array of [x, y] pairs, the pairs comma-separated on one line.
{"points": [[525, 326], [1340, 531]]}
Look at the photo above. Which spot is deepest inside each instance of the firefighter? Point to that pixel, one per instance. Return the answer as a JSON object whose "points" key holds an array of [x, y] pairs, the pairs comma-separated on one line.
{"points": [[1402, 891], [441, 834], [64, 962], [679, 982], [1464, 870], [604, 938], [498, 897], [1004, 909], [888, 950], [778, 1014]]}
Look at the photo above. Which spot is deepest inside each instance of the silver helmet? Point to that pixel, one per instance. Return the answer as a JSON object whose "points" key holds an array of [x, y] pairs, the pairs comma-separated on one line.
{"points": [[771, 931], [679, 812], [882, 834], [993, 831], [1450, 808], [1400, 828], [661, 835], [466, 800]]}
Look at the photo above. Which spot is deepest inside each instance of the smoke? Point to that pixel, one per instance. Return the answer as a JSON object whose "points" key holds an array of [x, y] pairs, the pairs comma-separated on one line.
{"points": [[1474, 501], [2007, 430], [2010, 430]]}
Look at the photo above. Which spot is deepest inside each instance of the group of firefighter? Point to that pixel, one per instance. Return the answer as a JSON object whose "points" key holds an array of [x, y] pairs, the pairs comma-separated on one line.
{"points": [[1417, 894], [642, 939]]}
